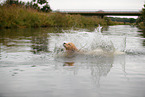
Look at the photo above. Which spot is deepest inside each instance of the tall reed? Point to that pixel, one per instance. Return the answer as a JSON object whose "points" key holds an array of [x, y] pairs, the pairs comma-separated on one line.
{"points": [[21, 17]]}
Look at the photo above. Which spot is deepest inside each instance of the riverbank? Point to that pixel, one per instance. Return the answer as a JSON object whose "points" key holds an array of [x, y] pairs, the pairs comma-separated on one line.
{"points": [[22, 17], [141, 25]]}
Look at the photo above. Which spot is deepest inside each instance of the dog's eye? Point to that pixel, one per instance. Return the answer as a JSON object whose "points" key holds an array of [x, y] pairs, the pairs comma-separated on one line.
{"points": [[69, 44]]}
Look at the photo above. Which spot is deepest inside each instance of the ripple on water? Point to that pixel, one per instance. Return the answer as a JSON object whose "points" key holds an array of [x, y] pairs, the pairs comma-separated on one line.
{"points": [[42, 74]]}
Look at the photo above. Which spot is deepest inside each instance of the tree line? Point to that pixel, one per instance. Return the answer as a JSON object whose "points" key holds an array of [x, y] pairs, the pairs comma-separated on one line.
{"points": [[45, 7], [124, 20]]}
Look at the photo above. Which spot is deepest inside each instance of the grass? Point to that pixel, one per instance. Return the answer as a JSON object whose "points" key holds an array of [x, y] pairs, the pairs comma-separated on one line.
{"points": [[14, 16], [141, 25], [21, 17]]}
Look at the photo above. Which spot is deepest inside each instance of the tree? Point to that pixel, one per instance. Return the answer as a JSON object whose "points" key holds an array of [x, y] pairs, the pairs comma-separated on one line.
{"points": [[42, 1], [35, 6], [132, 20], [45, 8], [141, 19], [11, 1], [143, 14]]}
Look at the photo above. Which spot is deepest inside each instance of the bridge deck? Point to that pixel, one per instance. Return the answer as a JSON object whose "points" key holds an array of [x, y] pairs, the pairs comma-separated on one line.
{"points": [[95, 13]]}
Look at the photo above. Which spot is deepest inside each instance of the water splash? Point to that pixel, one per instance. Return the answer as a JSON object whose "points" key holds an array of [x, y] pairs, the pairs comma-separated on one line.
{"points": [[86, 41], [98, 29]]}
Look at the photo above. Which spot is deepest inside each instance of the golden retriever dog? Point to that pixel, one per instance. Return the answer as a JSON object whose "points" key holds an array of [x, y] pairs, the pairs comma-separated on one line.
{"points": [[70, 48]]}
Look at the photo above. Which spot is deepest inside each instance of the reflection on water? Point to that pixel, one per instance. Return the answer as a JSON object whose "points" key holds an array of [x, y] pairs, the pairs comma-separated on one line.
{"points": [[68, 64], [97, 67], [40, 43], [29, 66], [143, 35], [36, 38]]}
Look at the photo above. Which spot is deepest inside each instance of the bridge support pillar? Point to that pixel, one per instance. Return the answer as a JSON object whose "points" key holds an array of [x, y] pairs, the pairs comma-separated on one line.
{"points": [[101, 16]]}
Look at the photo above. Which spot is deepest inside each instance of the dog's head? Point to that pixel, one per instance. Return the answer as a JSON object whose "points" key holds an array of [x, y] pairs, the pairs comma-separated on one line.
{"points": [[70, 47]]}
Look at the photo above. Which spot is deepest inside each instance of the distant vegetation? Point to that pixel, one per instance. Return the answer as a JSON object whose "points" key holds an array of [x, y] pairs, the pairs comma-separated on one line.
{"points": [[15, 14], [141, 20], [123, 20], [21, 15]]}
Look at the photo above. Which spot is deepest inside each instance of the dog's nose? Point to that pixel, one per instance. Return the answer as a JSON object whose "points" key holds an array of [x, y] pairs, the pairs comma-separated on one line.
{"points": [[64, 44]]}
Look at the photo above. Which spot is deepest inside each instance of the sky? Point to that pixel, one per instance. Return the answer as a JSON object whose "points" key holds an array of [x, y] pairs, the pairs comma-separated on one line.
{"points": [[94, 4], [111, 5]]}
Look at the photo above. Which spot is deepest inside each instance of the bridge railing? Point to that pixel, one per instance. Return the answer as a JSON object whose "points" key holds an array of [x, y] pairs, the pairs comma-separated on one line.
{"points": [[97, 10]]}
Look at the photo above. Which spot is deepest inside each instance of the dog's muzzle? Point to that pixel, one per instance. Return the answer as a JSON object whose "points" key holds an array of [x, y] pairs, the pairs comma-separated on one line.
{"points": [[64, 44]]}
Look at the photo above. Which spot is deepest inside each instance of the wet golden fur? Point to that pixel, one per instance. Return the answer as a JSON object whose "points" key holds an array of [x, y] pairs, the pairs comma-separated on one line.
{"points": [[70, 47]]}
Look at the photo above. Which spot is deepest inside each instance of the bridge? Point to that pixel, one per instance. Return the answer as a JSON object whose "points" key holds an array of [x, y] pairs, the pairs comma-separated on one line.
{"points": [[102, 13]]}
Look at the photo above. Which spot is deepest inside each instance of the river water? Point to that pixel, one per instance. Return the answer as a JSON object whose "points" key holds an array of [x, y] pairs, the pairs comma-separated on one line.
{"points": [[32, 62]]}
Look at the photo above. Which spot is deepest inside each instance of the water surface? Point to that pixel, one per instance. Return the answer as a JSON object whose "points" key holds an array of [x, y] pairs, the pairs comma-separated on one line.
{"points": [[30, 65]]}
